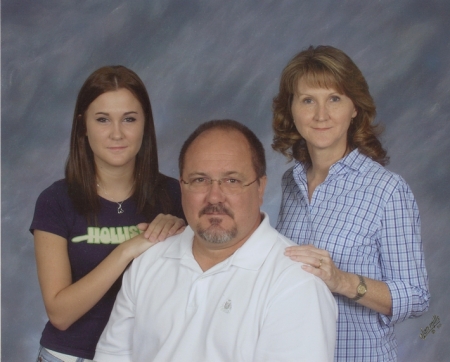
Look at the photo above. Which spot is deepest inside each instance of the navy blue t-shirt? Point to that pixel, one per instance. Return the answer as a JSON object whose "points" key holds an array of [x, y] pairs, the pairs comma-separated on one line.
{"points": [[87, 247]]}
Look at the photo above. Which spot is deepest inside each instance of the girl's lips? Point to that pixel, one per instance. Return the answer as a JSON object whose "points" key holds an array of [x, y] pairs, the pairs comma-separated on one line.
{"points": [[116, 148]]}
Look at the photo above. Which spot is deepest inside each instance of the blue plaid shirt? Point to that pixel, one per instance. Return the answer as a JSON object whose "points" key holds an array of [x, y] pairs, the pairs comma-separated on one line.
{"points": [[367, 219]]}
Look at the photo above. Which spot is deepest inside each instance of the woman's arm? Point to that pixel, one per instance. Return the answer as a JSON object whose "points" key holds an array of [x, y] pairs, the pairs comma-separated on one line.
{"points": [[65, 302], [318, 262], [404, 291]]}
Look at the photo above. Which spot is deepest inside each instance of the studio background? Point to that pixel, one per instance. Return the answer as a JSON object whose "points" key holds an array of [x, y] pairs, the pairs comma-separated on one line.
{"points": [[216, 59]]}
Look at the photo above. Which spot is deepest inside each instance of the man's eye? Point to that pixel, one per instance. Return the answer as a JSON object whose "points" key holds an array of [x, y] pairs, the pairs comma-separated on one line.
{"points": [[198, 180], [232, 181]]}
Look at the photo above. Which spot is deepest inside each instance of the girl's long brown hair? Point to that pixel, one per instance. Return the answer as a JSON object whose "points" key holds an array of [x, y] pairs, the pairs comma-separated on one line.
{"points": [[80, 169]]}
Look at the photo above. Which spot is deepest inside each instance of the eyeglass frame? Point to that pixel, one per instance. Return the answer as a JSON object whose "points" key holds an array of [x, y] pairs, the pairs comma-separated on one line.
{"points": [[219, 182]]}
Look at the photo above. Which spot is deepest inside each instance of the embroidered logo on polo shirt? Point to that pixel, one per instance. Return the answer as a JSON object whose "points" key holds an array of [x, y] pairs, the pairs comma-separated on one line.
{"points": [[226, 306]]}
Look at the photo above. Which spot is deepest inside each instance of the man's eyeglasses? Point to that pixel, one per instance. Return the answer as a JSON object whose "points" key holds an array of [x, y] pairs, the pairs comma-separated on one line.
{"points": [[228, 185]]}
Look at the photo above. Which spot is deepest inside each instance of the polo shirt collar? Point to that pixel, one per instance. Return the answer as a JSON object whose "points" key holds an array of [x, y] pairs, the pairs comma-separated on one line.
{"points": [[251, 255], [182, 245], [254, 252]]}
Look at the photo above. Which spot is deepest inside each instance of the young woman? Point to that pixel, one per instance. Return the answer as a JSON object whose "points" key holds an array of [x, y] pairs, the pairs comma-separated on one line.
{"points": [[86, 226], [357, 223]]}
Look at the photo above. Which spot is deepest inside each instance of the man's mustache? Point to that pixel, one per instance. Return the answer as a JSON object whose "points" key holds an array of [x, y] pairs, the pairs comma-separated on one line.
{"points": [[216, 208]]}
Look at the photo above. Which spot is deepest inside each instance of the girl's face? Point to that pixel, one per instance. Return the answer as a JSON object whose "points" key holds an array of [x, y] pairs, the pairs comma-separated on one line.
{"points": [[115, 128], [322, 116]]}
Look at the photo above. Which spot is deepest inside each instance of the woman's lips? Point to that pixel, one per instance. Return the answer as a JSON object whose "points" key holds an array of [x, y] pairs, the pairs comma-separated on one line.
{"points": [[117, 149]]}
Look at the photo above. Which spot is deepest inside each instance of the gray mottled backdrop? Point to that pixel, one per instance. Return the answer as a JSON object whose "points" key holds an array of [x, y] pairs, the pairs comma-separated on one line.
{"points": [[218, 59]]}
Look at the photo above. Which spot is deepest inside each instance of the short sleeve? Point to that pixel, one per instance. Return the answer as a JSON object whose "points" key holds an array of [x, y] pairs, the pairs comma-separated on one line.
{"points": [[300, 324], [52, 209]]}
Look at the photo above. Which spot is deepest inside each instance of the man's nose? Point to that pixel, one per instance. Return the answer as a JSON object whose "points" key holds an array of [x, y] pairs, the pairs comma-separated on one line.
{"points": [[215, 193]]}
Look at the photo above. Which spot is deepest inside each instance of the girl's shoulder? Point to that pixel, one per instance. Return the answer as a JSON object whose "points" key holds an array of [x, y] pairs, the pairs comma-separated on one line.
{"points": [[56, 192]]}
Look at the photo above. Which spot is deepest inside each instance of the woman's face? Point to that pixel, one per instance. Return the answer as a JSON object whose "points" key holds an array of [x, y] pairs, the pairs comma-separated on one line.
{"points": [[115, 128], [322, 117]]}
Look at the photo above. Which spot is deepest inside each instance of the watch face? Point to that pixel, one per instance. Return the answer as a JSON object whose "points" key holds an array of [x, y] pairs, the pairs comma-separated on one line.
{"points": [[361, 290]]}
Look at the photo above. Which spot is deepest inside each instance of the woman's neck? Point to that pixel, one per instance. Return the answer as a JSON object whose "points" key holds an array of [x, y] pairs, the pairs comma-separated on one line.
{"points": [[321, 161], [115, 184]]}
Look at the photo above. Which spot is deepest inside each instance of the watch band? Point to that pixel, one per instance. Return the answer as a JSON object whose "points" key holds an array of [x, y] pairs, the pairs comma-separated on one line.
{"points": [[361, 289]]}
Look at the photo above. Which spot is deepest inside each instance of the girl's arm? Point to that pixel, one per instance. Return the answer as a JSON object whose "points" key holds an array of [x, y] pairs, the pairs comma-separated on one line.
{"points": [[65, 302]]}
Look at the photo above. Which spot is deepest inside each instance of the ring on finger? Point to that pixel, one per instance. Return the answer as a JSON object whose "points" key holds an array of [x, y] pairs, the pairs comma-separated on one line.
{"points": [[320, 263]]}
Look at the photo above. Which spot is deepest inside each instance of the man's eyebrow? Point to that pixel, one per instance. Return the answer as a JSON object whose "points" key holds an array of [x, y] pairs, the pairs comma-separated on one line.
{"points": [[226, 174], [233, 173], [197, 173]]}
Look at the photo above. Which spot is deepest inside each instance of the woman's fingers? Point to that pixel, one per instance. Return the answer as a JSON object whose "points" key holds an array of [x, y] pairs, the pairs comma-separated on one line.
{"points": [[316, 261], [164, 226], [307, 254]]}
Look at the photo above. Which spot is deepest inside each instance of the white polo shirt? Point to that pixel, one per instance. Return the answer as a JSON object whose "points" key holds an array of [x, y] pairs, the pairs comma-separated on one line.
{"points": [[257, 305]]}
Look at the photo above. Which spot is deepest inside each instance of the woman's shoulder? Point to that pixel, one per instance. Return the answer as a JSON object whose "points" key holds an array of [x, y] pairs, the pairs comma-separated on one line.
{"points": [[57, 189], [168, 184], [170, 195], [55, 197], [381, 173], [289, 173], [170, 181], [53, 209], [384, 180]]}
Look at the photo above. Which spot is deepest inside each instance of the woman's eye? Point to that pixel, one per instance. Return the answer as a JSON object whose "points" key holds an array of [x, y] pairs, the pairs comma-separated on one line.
{"points": [[307, 100], [130, 119], [102, 119], [335, 99]]}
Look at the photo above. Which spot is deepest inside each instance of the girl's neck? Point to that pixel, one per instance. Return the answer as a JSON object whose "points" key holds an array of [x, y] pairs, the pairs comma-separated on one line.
{"points": [[115, 185]]}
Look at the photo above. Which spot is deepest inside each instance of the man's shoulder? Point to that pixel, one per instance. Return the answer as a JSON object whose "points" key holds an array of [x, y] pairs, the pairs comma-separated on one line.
{"points": [[171, 245], [283, 265]]}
